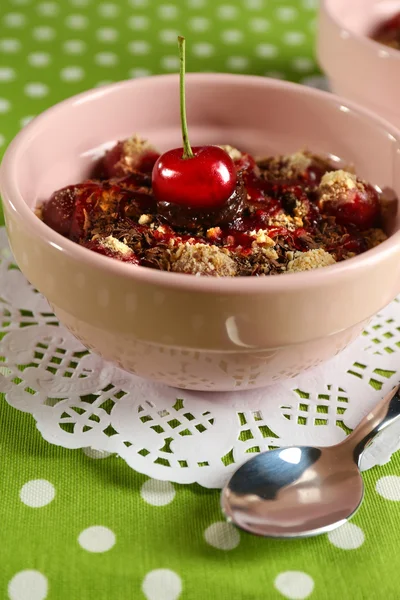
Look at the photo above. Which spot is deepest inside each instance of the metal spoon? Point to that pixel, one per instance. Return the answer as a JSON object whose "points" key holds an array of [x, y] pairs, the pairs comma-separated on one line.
{"points": [[303, 491]]}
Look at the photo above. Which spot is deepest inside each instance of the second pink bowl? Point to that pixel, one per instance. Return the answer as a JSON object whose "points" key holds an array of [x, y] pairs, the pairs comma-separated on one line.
{"points": [[359, 68]]}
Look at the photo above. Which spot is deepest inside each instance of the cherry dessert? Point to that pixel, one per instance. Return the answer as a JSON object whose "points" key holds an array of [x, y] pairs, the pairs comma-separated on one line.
{"points": [[217, 210], [388, 32]]}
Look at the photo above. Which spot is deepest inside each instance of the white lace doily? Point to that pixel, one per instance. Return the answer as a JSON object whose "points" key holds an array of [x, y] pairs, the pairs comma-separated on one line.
{"points": [[80, 401]]}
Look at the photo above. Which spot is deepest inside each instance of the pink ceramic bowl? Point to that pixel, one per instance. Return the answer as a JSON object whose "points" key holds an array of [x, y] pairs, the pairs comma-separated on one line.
{"points": [[186, 331], [360, 68]]}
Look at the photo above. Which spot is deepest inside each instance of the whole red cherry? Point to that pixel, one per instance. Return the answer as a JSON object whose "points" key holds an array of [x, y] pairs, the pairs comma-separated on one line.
{"points": [[356, 205], [361, 209], [57, 212], [203, 177]]}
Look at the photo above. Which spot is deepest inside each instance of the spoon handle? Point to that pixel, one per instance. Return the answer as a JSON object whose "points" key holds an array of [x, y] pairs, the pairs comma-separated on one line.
{"points": [[382, 416]]}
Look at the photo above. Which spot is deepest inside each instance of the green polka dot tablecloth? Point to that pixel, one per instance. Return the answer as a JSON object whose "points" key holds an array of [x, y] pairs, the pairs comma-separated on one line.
{"points": [[80, 525]]}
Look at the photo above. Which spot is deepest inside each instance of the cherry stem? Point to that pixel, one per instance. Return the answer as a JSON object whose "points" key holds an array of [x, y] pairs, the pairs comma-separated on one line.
{"points": [[187, 149]]}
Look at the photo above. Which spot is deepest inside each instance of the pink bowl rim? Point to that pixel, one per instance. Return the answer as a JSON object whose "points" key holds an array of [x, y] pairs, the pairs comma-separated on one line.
{"points": [[362, 39], [227, 285]]}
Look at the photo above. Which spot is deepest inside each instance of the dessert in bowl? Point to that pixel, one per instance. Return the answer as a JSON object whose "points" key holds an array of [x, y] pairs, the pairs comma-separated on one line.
{"points": [[357, 49], [201, 333], [388, 31]]}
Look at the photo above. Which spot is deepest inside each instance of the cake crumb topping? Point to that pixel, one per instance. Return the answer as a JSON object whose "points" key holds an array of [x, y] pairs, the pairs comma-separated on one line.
{"points": [[111, 243], [335, 185], [312, 259], [201, 259]]}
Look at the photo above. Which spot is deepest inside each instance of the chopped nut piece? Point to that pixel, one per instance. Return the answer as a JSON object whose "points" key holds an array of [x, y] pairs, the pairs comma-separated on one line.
{"points": [[262, 238], [298, 221], [200, 259], [312, 259], [214, 233], [145, 219]]}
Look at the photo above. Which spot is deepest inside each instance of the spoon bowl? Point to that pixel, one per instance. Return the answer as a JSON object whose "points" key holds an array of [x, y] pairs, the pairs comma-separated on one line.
{"points": [[302, 491], [298, 491]]}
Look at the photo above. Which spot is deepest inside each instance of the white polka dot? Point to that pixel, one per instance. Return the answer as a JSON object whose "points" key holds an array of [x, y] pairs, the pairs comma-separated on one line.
{"points": [[310, 4], [28, 585], [203, 49], [157, 493], [139, 47], [37, 493], [169, 36], [196, 3], [162, 584], [76, 21], [259, 25], [5, 105], [39, 59], [80, 2], [9, 46], [48, 9], [294, 38], [139, 72], [7, 74], [74, 46], [389, 487], [104, 298], [72, 74], [227, 11], [222, 535], [286, 13], [138, 3], [26, 120], [266, 51], [232, 36], [254, 4], [97, 539], [107, 34], [2, 142], [303, 63], [275, 74], [170, 63], [43, 34], [199, 24], [237, 63], [106, 59], [108, 10], [316, 81], [20, 2], [138, 22], [104, 82], [168, 11], [14, 20], [347, 537], [294, 585], [96, 454], [36, 90]]}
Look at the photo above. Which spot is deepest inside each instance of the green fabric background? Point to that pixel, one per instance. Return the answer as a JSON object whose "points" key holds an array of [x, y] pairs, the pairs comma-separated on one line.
{"points": [[266, 37]]}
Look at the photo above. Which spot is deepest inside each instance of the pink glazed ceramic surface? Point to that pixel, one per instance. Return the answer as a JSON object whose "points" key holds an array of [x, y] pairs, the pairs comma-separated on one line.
{"points": [[185, 331], [359, 68]]}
